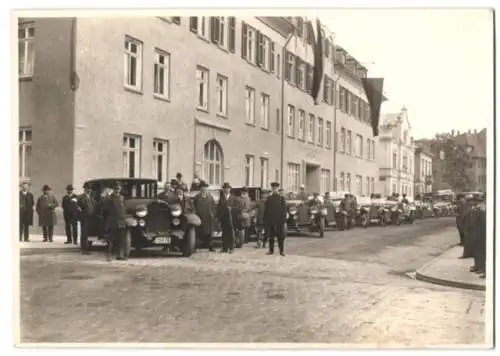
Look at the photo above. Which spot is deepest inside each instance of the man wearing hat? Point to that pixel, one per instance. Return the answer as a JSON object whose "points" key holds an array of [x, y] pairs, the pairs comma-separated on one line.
{"points": [[45, 208], [26, 204], [302, 193], [262, 238], [275, 219], [86, 205], [226, 218], [195, 185], [466, 226], [204, 206], [70, 213], [168, 194], [179, 182], [113, 212]]}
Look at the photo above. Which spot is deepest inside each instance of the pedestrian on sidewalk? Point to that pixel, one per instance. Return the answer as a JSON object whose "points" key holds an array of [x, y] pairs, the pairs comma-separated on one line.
{"points": [[204, 207], [259, 224], [45, 208], [465, 225], [477, 236], [86, 205], [460, 207], [225, 215], [26, 204], [114, 222], [275, 219], [70, 213]]}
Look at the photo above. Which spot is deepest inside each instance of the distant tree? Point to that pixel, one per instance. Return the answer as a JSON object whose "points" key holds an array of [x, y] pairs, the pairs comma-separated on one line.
{"points": [[457, 163]]}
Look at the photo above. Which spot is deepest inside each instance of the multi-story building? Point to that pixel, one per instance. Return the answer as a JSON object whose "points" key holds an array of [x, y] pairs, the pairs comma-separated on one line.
{"points": [[149, 97], [396, 152], [356, 166], [423, 169]]}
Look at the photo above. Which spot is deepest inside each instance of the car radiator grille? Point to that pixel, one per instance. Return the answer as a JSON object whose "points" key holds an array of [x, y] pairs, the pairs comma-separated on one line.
{"points": [[158, 218]]}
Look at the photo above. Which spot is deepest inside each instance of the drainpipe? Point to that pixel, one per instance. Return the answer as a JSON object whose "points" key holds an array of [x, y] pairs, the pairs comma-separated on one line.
{"points": [[335, 143], [283, 64]]}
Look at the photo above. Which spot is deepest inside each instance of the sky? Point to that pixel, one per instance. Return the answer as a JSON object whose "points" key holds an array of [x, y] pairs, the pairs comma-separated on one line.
{"points": [[436, 63]]}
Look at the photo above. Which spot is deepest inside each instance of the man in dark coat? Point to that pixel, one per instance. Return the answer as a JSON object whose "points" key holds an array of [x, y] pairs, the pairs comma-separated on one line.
{"points": [[168, 194], [460, 207], [113, 212], [26, 204], [225, 214], [260, 219], [70, 213], [86, 205], [204, 206], [302, 193], [480, 240], [347, 205], [45, 208], [275, 219], [195, 185], [467, 227]]}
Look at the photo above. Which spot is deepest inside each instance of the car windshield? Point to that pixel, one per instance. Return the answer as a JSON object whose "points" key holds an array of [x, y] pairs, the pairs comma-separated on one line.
{"points": [[131, 189]]}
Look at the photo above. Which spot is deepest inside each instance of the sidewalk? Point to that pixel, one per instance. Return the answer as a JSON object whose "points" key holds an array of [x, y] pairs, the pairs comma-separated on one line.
{"points": [[449, 270], [36, 243]]}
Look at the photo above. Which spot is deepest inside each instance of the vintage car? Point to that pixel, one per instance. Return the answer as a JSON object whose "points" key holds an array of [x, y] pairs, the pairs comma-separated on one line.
{"points": [[150, 222], [340, 216], [400, 212], [367, 212], [301, 214]]}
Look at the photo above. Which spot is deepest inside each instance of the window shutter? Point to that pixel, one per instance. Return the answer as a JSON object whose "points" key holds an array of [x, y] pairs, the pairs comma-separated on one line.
{"points": [[332, 91], [214, 33], [287, 68], [259, 52], [308, 77], [244, 40], [325, 91], [232, 33], [193, 24], [297, 72], [271, 57]]}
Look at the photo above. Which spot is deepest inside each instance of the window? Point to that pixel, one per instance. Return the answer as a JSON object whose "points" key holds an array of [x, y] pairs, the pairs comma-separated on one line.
{"points": [[359, 184], [342, 140], [312, 129], [349, 142], [131, 156], [348, 102], [373, 150], [199, 25], [309, 77], [359, 146], [342, 181], [220, 31], [213, 163], [133, 63], [325, 181], [248, 43], [250, 105], [160, 160], [328, 90], [162, 74], [348, 182], [359, 109], [302, 125], [367, 186], [264, 111], [354, 105], [264, 50], [26, 48], [300, 75], [289, 69], [291, 121], [221, 95], [320, 131], [293, 177], [366, 113], [342, 99], [202, 84], [372, 185], [368, 148], [25, 154], [405, 163], [394, 161], [328, 133], [264, 172], [249, 169], [423, 167]]}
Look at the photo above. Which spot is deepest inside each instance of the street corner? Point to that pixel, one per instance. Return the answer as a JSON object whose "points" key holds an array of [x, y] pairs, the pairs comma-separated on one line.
{"points": [[450, 270]]}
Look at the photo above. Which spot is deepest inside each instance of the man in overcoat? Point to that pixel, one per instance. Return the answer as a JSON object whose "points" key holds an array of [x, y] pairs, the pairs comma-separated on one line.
{"points": [[480, 245], [466, 225], [204, 206], [260, 219], [460, 206], [275, 219], [26, 205], [70, 213], [302, 193], [86, 205], [45, 208], [225, 214], [113, 212], [180, 182]]}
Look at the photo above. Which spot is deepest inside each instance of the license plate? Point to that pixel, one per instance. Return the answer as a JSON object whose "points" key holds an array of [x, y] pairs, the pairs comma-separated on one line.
{"points": [[218, 234], [162, 240]]}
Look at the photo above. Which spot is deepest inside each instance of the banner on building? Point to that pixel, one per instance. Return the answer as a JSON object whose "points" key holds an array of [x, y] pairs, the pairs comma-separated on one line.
{"points": [[374, 93], [318, 59]]}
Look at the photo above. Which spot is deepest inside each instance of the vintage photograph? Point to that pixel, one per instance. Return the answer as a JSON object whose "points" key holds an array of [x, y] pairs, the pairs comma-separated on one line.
{"points": [[225, 178]]}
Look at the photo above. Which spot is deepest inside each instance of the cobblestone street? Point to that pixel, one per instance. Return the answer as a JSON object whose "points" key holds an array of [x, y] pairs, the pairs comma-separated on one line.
{"points": [[350, 287]]}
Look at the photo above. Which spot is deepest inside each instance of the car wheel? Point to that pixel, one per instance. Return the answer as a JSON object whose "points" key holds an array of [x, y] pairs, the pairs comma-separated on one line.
{"points": [[128, 242], [364, 220], [240, 236], [189, 243], [322, 227]]}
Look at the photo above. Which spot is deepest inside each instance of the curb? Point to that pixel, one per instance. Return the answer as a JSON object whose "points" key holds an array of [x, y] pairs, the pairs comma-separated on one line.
{"points": [[38, 251], [445, 282]]}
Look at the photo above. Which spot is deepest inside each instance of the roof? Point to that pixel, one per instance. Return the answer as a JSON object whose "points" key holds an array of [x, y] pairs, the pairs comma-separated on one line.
{"points": [[476, 140]]}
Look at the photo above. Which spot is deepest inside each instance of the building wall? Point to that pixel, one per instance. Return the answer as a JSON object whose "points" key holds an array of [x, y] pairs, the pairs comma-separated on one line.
{"points": [[46, 104], [423, 171]]}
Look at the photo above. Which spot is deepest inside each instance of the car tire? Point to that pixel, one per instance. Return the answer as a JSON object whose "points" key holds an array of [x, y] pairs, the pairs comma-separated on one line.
{"points": [[239, 238], [322, 227], [189, 243]]}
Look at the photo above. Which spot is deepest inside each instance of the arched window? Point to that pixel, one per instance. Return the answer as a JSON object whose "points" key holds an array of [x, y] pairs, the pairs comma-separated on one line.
{"points": [[213, 163]]}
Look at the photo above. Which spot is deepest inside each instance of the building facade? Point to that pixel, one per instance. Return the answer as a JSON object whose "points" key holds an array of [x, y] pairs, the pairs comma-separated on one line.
{"points": [[149, 97], [396, 152], [423, 170]]}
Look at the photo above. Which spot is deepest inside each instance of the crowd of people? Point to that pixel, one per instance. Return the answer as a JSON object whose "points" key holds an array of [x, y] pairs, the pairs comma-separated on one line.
{"points": [[471, 224]]}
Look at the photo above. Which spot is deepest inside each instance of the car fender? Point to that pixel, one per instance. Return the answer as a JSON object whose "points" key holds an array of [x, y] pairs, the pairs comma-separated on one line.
{"points": [[193, 219]]}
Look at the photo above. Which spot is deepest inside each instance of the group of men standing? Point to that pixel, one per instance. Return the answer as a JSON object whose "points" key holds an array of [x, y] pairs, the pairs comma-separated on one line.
{"points": [[471, 224]]}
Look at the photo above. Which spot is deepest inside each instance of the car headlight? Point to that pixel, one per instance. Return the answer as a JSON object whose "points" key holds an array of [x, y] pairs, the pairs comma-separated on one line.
{"points": [[292, 211], [314, 212], [287, 215], [176, 212], [324, 211], [176, 222], [141, 213], [142, 223]]}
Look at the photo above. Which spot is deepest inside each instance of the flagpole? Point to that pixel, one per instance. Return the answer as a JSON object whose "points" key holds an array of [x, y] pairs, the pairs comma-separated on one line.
{"points": [[283, 69]]}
